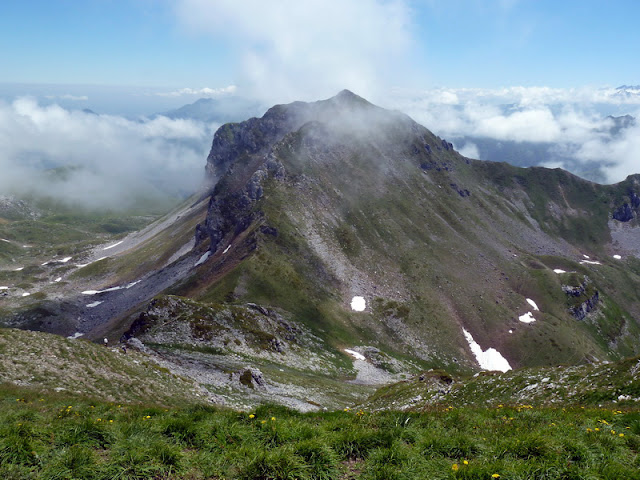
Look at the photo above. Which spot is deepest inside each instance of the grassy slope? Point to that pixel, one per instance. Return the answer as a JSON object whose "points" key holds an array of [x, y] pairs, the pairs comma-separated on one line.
{"points": [[57, 437], [50, 362], [583, 385]]}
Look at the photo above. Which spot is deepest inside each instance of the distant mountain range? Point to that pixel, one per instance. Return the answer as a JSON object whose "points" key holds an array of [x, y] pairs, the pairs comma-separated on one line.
{"points": [[218, 110]]}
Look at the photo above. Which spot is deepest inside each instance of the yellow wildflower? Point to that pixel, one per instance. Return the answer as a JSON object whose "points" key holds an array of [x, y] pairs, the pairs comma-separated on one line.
{"points": [[589, 430], [597, 429], [495, 475], [621, 434], [273, 419], [466, 462], [263, 421], [110, 421], [454, 467], [252, 416]]}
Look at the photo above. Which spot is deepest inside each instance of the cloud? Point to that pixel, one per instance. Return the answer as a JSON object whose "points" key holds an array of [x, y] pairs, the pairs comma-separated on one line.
{"points": [[574, 123], [102, 160], [292, 50], [199, 92], [622, 153], [68, 96], [469, 150]]}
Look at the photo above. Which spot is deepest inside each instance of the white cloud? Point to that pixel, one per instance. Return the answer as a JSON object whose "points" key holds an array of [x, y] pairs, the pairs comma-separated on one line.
{"points": [[293, 50], [574, 121], [536, 125], [199, 92], [469, 150], [113, 160], [68, 96], [622, 152]]}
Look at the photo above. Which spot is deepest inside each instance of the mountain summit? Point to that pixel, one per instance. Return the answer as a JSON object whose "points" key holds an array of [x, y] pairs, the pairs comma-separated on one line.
{"points": [[368, 229]]}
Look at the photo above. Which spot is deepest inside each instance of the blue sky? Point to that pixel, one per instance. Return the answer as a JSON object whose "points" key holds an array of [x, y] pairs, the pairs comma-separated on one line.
{"points": [[418, 44], [508, 70]]}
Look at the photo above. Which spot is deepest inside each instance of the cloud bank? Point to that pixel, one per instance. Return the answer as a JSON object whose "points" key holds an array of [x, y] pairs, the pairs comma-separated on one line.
{"points": [[576, 124], [292, 50], [98, 161]]}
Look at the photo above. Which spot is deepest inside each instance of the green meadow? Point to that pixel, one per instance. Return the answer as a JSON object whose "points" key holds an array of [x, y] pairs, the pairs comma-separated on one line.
{"points": [[57, 436]]}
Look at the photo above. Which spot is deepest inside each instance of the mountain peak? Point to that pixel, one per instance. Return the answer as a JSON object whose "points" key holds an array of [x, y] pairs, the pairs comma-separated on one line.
{"points": [[347, 97]]}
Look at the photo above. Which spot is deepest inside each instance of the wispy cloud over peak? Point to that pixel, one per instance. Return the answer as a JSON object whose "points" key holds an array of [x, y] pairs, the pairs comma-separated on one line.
{"points": [[292, 50]]}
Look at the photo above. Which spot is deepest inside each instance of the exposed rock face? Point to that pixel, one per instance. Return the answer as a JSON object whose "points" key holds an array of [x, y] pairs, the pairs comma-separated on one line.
{"points": [[623, 213], [590, 298], [628, 210], [581, 311]]}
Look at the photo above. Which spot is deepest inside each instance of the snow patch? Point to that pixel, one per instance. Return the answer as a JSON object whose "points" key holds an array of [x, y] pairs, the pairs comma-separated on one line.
{"points": [[510, 331], [4, 288], [590, 262], [65, 260], [18, 269], [5, 240], [617, 257], [354, 354], [358, 304], [82, 265], [58, 279], [527, 318], [111, 246], [26, 294], [93, 304], [75, 335], [226, 249], [557, 270], [586, 256], [112, 289], [90, 292], [533, 304], [490, 359], [203, 259], [133, 283]]}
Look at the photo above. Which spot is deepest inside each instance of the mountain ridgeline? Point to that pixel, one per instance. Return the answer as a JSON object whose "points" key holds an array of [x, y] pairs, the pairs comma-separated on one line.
{"points": [[342, 247], [317, 203]]}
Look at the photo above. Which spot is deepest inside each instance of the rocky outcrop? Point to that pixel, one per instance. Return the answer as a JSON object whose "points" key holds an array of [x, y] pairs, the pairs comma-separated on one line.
{"points": [[584, 298], [581, 311], [623, 213], [249, 377], [628, 210]]}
